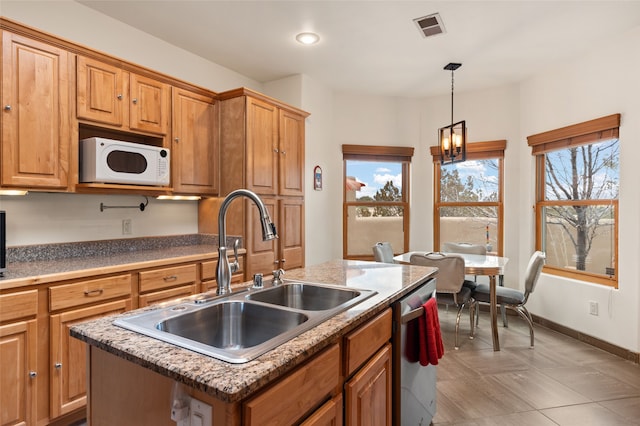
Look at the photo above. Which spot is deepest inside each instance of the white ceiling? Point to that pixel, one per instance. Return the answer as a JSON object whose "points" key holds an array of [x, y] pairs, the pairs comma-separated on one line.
{"points": [[374, 47]]}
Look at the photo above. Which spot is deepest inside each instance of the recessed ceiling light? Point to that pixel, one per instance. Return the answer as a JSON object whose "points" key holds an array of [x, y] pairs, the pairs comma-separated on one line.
{"points": [[308, 38]]}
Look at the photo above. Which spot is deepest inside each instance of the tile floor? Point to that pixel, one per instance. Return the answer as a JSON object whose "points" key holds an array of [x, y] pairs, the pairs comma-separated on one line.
{"points": [[561, 381]]}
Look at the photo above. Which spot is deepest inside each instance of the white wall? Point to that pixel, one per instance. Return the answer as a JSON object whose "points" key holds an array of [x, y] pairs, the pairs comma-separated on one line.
{"points": [[602, 83]]}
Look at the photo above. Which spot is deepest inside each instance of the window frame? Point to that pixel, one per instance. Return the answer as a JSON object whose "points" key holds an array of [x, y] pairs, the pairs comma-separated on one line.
{"points": [[475, 151], [581, 134], [376, 153]]}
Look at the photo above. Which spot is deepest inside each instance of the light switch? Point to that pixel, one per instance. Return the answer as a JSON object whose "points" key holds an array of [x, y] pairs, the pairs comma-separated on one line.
{"points": [[196, 420], [201, 413]]}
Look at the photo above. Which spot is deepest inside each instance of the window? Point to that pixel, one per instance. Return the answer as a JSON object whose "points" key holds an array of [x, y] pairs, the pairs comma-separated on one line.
{"points": [[468, 200], [577, 199], [376, 199]]}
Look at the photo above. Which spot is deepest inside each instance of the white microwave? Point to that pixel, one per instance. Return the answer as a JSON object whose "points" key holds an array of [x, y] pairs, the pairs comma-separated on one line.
{"points": [[111, 161]]}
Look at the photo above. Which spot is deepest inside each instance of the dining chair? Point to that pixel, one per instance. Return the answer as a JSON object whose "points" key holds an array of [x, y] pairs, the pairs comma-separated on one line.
{"points": [[468, 248], [383, 252], [515, 299], [450, 288]]}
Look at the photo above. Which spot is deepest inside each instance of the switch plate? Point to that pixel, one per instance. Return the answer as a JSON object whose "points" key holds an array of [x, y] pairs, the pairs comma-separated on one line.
{"points": [[127, 227], [593, 307], [201, 413]]}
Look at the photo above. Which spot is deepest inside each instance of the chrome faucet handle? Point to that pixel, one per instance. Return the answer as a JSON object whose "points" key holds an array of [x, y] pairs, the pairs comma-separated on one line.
{"points": [[235, 266], [277, 274], [257, 281]]}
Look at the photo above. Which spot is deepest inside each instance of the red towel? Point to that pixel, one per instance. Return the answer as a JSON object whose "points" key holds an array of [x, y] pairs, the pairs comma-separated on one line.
{"points": [[431, 347], [424, 339]]}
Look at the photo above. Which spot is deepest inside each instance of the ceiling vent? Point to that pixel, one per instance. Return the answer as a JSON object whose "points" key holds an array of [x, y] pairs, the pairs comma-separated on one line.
{"points": [[430, 25]]}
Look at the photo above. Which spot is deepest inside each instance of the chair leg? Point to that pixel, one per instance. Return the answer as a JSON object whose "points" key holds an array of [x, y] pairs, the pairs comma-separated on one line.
{"points": [[456, 347], [503, 309], [472, 313], [524, 313]]}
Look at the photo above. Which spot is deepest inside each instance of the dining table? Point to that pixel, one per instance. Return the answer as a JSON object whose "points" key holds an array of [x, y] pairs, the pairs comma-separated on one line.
{"points": [[477, 264]]}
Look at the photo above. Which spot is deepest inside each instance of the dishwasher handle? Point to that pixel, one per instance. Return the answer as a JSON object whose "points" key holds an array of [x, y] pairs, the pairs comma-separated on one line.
{"points": [[417, 311]]}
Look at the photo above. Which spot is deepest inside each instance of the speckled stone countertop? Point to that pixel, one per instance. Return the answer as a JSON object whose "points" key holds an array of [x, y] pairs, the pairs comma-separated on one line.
{"points": [[30, 265], [233, 382]]}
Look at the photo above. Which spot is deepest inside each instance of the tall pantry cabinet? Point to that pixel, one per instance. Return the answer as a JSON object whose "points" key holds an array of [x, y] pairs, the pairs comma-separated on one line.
{"points": [[261, 149]]}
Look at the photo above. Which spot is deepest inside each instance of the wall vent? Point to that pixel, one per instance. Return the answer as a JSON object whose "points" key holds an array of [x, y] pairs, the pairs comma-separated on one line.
{"points": [[430, 25]]}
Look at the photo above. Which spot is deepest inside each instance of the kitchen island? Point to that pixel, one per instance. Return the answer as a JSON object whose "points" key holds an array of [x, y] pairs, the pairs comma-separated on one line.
{"points": [[131, 376]]}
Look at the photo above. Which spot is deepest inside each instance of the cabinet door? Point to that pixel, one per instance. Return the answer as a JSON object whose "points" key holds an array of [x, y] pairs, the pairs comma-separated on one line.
{"points": [[68, 356], [368, 394], [291, 159], [101, 92], [262, 256], [194, 154], [149, 105], [291, 232], [18, 378], [262, 147], [35, 114]]}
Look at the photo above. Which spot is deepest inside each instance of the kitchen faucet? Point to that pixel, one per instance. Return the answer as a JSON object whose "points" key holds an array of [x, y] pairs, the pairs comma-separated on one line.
{"points": [[224, 268]]}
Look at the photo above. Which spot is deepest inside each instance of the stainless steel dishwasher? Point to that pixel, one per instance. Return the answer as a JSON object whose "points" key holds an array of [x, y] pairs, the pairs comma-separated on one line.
{"points": [[414, 393]]}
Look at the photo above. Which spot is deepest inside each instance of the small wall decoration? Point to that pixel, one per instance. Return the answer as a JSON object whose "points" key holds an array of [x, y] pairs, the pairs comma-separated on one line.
{"points": [[317, 178]]}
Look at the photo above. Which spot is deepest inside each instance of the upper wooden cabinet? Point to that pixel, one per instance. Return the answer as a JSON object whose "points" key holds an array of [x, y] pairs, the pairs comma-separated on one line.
{"points": [[35, 114], [111, 96], [262, 144], [194, 144]]}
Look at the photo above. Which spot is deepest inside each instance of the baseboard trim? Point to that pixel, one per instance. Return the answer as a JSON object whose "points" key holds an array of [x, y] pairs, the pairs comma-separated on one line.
{"points": [[593, 341]]}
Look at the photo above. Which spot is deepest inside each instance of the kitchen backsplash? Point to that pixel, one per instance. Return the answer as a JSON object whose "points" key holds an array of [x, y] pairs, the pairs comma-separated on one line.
{"points": [[39, 252]]}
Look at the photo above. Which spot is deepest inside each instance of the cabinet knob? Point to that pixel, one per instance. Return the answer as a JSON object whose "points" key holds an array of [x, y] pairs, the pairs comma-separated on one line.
{"points": [[32, 374], [284, 152], [276, 262], [58, 365], [177, 139], [275, 150], [134, 100], [7, 107], [119, 96]]}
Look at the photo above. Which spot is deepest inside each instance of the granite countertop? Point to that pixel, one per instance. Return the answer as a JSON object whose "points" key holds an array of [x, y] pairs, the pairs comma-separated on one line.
{"points": [[233, 382], [40, 264]]}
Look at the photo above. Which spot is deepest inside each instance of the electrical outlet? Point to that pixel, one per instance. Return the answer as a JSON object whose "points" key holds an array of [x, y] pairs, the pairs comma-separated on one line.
{"points": [[127, 227], [593, 308]]}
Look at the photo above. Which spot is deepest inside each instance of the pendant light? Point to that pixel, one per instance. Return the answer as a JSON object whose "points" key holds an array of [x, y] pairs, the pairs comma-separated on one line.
{"points": [[453, 138]]}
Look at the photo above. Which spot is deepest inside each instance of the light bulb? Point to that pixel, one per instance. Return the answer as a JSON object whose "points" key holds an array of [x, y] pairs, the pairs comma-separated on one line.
{"points": [[308, 38]]}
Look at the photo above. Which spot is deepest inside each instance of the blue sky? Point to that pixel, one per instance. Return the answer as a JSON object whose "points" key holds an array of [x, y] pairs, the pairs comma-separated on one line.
{"points": [[374, 174]]}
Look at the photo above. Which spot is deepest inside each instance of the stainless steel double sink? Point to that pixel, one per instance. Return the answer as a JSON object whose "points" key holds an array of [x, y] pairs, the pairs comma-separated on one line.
{"points": [[242, 326]]}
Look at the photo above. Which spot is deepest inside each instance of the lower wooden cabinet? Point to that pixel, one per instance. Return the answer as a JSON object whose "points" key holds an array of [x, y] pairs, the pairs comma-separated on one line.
{"points": [[368, 394], [330, 414], [68, 376], [309, 385], [18, 363]]}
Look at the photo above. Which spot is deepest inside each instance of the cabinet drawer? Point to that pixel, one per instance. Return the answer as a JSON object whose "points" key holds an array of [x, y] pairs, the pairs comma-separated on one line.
{"points": [[166, 295], [157, 279], [18, 305], [209, 268], [361, 344], [85, 292], [311, 384]]}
